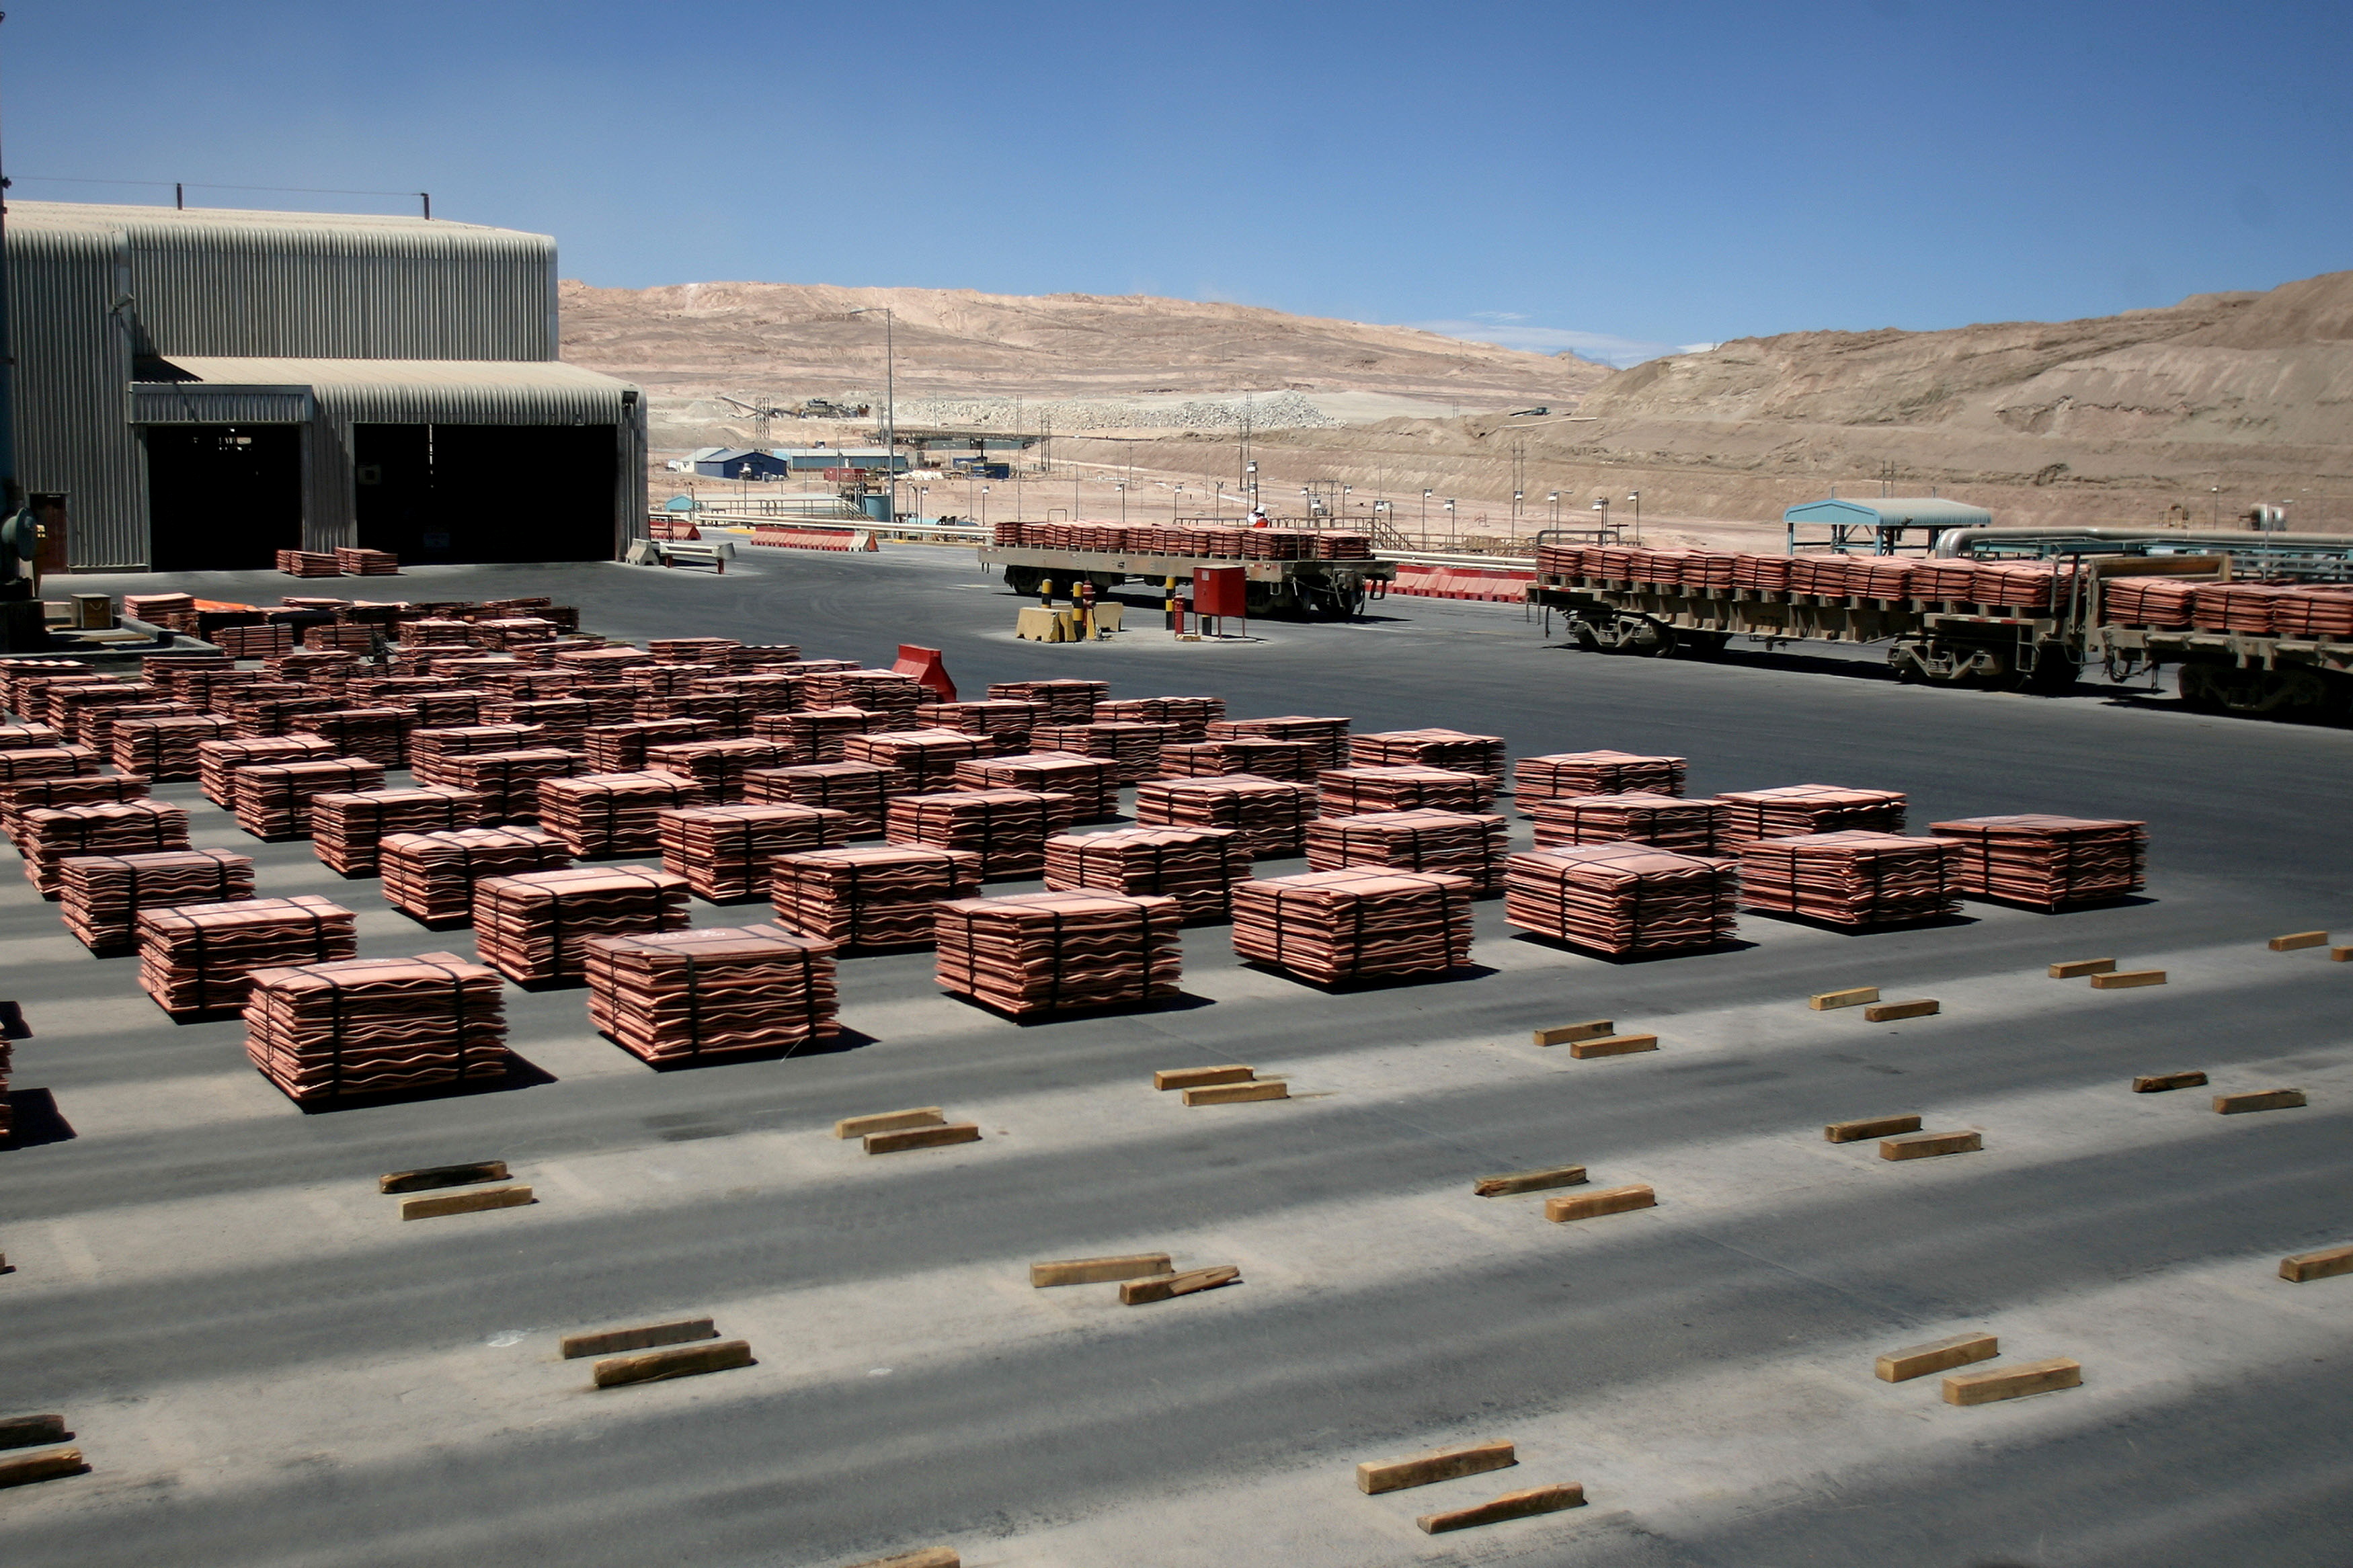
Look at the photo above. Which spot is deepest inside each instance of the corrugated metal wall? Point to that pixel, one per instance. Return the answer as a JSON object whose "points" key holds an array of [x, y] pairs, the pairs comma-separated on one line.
{"points": [[73, 371]]}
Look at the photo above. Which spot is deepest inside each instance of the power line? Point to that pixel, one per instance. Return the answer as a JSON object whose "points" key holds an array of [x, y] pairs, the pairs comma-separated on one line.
{"points": [[207, 185]]}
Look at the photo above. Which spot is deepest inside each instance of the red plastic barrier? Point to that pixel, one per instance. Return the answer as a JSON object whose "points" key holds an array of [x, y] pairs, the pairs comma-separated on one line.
{"points": [[924, 664]]}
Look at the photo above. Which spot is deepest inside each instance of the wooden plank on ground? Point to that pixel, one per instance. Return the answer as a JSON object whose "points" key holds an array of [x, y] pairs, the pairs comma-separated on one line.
{"points": [[923, 1138], [646, 1336], [1854, 996], [1869, 1127], [1928, 1145], [685, 1360], [2327, 1264], [929, 1557], [1098, 1270], [2126, 979], [1197, 1077], [1237, 1093], [2077, 968], [2259, 1099], [1375, 1476], [1896, 1012], [1937, 1355], [2159, 1082], [1528, 1181], [31, 1431], [2014, 1382], [1569, 1034], [1164, 1287], [465, 1202], [1614, 1045], [46, 1466], [442, 1176], [2301, 939], [1592, 1205], [1511, 1505], [890, 1122]]}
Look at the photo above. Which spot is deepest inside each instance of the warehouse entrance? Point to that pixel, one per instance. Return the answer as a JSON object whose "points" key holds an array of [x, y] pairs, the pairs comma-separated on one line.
{"points": [[222, 496], [486, 493]]}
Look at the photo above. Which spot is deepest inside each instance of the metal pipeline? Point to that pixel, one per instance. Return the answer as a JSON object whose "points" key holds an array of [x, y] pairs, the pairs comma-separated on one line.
{"points": [[1957, 541]]}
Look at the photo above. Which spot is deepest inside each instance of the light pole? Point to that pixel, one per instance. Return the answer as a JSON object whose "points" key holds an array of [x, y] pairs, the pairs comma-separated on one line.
{"points": [[1601, 505], [2216, 522], [1516, 509], [983, 507], [889, 391], [1175, 496], [1555, 498], [1123, 504], [922, 501], [1450, 521], [1636, 497], [1425, 519], [1249, 482]]}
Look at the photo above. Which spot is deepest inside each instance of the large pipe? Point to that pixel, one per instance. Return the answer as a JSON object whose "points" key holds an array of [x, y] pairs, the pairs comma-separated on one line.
{"points": [[1956, 541]]}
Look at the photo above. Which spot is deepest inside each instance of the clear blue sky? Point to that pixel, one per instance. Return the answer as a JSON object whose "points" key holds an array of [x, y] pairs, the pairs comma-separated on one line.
{"points": [[1643, 174]]}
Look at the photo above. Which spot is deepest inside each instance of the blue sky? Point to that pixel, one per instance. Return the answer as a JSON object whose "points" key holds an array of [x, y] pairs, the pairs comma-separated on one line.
{"points": [[1617, 179]]}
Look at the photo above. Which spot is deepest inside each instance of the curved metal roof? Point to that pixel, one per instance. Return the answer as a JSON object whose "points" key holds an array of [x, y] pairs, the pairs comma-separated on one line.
{"points": [[1892, 509]]}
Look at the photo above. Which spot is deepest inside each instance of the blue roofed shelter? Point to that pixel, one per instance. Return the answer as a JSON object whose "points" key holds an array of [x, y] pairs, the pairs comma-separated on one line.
{"points": [[1883, 526], [740, 463]]}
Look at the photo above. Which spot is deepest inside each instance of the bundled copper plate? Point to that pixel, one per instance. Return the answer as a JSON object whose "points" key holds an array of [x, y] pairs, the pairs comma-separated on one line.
{"points": [[1291, 762], [725, 851], [1686, 826], [621, 748], [719, 765], [164, 749], [860, 789], [1595, 772], [430, 877], [76, 706], [1796, 809], [532, 927], [2047, 861], [1449, 749], [468, 740], [1134, 750], [508, 782], [375, 1026], [1007, 829], [277, 708], [217, 762], [195, 958], [81, 789], [379, 734], [1330, 926], [348, 826], [882, 691], [1003, 720], [1188, 717], [818, 734], [1345, 792], [566, 719], [1272, 816], [1622, 899], [273, 799], [915, 760], [1853, 878], [101, 895], [690, 651], [615, 814], [1091, 782], [1036, 953], [1197, 866], [49, 835], [878, 897], [687, 996], [1067, 701], [1460, 843]]}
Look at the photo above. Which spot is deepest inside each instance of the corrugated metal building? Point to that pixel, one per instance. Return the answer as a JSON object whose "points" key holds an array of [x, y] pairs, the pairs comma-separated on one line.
{"points": [[740, 463], [208, 386], [814, 460]]}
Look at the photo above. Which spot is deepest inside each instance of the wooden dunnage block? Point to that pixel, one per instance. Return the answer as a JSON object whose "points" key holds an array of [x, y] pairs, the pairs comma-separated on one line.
{"points": [[42, 1468], [1894, 1012], [612, 1342], [2301, 939], [1592, 1205], [2157, 1083], [929, 1557], [1163, 1287], [1438, 1465], [923, 1138], [1201, 1078], [1528, 1181], [2126, 979], [1569, 1034], [687, 1360], [890, 1122], [1855, 997], [2014, 1382], [30, 1431], [1237, 1093], [2259, 1099], [1869, 1127], [1511, 1505], [2078, 968], [465, 1202], [1928, 1145], [442, 1176], [1098, 1270], [1614, 1045], [2325, 1264], [1938, 1355]]}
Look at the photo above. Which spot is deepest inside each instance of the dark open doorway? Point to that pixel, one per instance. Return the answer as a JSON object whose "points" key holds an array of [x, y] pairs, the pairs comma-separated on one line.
{"points": [[486, 493], [222, 496]]}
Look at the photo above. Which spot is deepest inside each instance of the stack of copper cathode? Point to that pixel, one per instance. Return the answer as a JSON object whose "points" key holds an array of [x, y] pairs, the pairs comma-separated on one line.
{"points": [[1330, 926], [47, 836], [49, 762], [1345, 792], [101, 895], [273, 799], [1329, 736], [1622, 899], [1004, 724], [884, 896], [1852, 879], [1461, 843], [348, 826], [1294, 761], [1007, 829], [1449, 749], [375, 1026], [916, 761], [1091, 782], [430, 877], [1067, 701], [1595, 772], [379, 734], [719, 765], [1197, 866], [857, 788], [1035, 953], [1271, 817], [677, 998], [508, 782], [1686, 826], [1133, 750], [2047, 861], [1795, 809], [80, 789], [725, 852], [615, 814], [819, 734], [532, 927], [217, 762], [1188, 718], [195, 958], [164, 749], [892, 696], [621, 748]]}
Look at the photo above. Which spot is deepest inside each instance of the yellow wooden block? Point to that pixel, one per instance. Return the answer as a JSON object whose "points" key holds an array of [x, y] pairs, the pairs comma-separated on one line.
{"points": [[2325, 1264], [1237, 1093], [442, 1176], [1855, 997], [1592, 1205], [890, 1122], [646, 1336], [1196, 1077], [929, 1557], [1528, 1181], [2014, 1382], [42, 1468], [686, 1360], [2259, 1099], [1869, 1127], [2077, 968], [923, 1138], [465, 1202], [1894, 1012], [1164, 1287], [1614, 1045], [1438, 1465], [1928, 1145], [1569, 1034], [2289, 944], [2126, 979], [1938, 1355], [2157, 1083], [1098, 1270], [1511, 1505]]}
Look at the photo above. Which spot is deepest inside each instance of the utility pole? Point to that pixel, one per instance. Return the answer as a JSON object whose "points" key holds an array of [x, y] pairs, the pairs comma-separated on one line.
{"points": [[11, 494]]}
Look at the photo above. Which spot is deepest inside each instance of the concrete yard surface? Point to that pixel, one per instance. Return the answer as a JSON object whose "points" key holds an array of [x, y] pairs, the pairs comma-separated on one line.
{"points": [[264, 1368]]}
